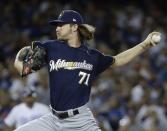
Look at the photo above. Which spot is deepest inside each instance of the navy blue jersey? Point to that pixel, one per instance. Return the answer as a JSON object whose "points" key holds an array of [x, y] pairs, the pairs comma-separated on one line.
{"points": [[71, 73]]}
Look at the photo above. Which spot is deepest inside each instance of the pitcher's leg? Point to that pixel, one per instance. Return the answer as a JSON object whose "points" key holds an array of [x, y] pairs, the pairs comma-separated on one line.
{"points": [[45, 123], [84, 121]]}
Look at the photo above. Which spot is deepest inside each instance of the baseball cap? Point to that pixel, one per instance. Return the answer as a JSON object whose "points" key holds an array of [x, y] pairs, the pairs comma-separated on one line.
{"points": [[68, 16]]}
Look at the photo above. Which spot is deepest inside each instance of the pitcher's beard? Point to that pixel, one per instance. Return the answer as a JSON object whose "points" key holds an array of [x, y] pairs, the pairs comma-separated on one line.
{"points": [[61, 38]]}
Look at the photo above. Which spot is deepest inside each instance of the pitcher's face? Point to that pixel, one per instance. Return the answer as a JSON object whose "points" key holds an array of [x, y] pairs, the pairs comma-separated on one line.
{"points": [[63, 31]]}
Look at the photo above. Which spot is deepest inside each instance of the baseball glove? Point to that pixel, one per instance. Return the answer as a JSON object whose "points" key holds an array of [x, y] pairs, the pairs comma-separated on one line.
{"points": [[32, 59]]}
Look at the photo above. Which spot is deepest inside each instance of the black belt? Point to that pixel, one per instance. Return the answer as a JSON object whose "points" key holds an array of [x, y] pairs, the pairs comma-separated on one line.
{"points": [[64, 115]]}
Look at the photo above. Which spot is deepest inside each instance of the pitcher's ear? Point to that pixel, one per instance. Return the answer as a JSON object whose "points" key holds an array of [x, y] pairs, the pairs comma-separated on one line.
{"points": [[74, 27]]}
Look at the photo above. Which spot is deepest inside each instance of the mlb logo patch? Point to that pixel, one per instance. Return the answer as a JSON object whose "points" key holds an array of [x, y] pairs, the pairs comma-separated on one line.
{"points": [[74, 20]]}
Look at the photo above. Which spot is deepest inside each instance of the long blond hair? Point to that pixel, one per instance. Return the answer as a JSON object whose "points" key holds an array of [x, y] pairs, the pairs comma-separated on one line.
{"points": [[86, 32]]}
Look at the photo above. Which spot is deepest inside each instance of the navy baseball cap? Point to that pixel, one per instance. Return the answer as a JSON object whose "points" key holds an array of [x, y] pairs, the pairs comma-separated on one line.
{"points": [[68, 16]]}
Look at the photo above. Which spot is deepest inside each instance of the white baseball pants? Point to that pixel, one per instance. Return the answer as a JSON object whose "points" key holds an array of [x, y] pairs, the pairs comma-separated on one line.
{"points": [[84, 121]]}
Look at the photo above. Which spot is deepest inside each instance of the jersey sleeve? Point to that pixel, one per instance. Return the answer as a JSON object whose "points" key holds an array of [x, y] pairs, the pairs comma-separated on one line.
{"points": [[47, 45], [103, 62], [11, 118], [39, 44]]}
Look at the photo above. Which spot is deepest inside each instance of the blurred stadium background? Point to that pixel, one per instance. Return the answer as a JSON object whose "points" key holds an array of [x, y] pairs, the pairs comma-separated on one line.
{"points": [[128, 98]]}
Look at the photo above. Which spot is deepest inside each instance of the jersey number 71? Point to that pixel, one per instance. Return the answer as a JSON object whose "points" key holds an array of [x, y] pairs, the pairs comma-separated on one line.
{"points": [[84, 78]]}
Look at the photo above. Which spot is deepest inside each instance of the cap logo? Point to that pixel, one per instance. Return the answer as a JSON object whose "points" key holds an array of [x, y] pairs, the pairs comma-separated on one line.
{"points": [[61, 15], [74, 19]]}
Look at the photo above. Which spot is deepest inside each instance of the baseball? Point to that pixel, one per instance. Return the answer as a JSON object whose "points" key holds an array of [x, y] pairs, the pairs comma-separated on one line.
{"points": [[156, 38]]}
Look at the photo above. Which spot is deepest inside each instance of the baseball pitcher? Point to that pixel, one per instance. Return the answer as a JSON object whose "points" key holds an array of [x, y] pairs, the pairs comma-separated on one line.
{"points": [[72, 67]]}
